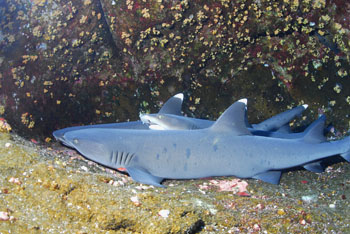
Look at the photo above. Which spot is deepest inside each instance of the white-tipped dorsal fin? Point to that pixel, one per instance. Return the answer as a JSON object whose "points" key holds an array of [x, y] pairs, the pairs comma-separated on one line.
{"points": [[247, 124], [305, 106], [233, 119], [173, 105], [315, 132]]}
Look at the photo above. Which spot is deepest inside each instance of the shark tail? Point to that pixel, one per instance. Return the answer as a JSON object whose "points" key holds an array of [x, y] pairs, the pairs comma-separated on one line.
{"points": [[346, 155]]}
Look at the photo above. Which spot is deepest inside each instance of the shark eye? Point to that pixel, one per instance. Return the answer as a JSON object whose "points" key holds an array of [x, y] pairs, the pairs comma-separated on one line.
{"points": [[76, 141]]}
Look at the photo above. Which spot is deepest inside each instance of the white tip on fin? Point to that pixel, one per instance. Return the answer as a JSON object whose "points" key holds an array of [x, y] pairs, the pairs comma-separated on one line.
{"points": [[305, 106], [180, 96], [243, 100]]}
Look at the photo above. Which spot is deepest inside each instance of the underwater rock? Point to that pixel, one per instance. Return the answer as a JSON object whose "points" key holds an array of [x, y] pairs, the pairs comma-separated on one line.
{"points": [[80, 62]]}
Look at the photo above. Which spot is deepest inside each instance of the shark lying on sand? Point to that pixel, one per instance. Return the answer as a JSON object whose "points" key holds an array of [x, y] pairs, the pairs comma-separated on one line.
{"points": [[227, 148], [172, 106]]}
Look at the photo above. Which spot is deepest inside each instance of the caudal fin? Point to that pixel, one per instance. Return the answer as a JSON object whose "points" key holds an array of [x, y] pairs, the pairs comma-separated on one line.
{"points": [[346, 155]]}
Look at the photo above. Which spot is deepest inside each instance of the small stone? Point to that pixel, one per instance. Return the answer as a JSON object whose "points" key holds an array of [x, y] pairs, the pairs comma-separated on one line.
{"points": [[302, 221], [256, 227], [15, 180], [332, 206], [4, 216], [164, 213], [118, 183], [7, 145], [135, 200], [84, 168], [4, 191], [281, 212], [309, 198]]}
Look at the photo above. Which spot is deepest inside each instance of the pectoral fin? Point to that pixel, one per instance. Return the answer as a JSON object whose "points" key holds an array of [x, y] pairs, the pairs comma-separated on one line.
{"points": [[143, 176], [272, 177], [314, 167]]}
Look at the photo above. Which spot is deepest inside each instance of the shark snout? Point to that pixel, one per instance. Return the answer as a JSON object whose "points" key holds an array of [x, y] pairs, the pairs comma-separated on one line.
{"points": [[145, 119], [88, 144]]}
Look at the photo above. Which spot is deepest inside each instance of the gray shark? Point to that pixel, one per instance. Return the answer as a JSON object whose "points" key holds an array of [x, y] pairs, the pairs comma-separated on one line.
{"points": [[276, 126], [177, 122], [171, 106], [225, 149]]}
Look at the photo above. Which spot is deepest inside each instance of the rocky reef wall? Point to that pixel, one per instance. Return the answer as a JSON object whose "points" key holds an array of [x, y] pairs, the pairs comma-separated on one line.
{"points": [[65, 63]]}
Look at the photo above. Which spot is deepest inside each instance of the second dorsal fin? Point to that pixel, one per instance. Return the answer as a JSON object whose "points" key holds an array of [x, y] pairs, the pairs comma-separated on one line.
{"points": [[233, 119]]}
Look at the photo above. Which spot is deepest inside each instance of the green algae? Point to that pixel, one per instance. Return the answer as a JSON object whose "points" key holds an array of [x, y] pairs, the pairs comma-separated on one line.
{"points": [[59, 192]]}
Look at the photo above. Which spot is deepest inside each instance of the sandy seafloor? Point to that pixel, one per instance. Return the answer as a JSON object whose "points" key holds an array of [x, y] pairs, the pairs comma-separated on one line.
{"points": [[51, 189]]}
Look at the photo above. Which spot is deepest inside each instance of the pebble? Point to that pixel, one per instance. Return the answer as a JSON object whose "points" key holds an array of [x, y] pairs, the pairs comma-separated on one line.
{"points": [[15, 180], [164, 213], [4, 216], [84, 168], [256, 227], [260, 206], [143, 187], [281, 212], [332, 206], [135, 200], [309, 198], [7, 144], [116, 183]]}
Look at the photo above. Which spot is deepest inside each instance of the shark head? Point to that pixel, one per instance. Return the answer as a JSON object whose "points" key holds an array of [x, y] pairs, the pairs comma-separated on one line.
{"points": [[167, 122], [97, 144], [88, 144], [153, 121], [59, 136]]}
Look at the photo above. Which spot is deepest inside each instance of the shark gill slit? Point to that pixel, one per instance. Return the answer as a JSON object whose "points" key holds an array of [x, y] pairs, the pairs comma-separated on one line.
{"points": [[119, 158], [111, 157], [125, 155], [128, 159]]}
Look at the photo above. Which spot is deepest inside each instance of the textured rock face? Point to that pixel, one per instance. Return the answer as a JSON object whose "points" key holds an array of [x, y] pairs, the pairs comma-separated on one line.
{"points": [[65, 63]]}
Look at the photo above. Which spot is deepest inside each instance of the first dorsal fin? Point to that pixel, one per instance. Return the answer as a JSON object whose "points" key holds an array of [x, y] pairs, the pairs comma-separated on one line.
{"points": [[315, 132], [173, 105], [247, 124], [233, 119]]}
